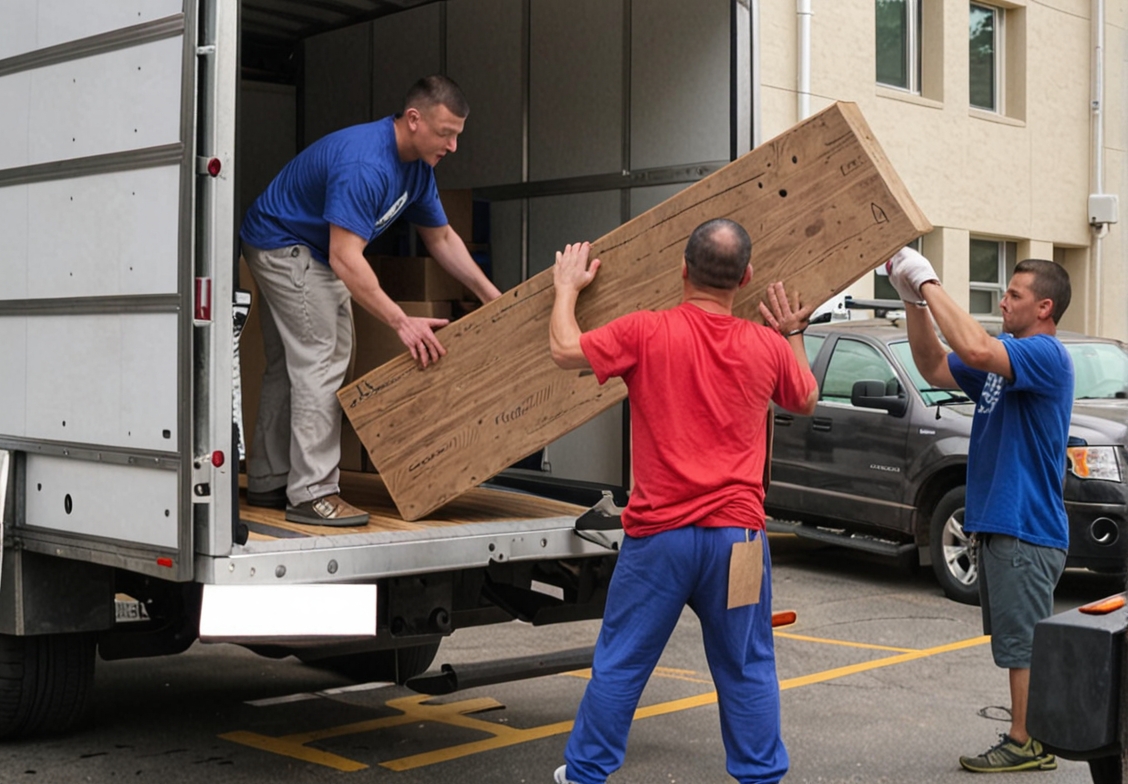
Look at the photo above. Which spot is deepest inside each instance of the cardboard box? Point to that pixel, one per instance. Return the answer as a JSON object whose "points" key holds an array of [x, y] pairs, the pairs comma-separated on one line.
{"points": [[415, 279], [376, 342], [459, 208]]}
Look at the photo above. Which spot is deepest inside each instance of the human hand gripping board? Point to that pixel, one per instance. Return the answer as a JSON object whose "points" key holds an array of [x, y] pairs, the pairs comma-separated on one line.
{"points": [[823, 206]]}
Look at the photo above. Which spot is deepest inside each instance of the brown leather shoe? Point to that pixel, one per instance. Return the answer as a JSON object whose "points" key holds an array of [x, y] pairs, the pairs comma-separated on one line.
{"points": [[328, 510]]}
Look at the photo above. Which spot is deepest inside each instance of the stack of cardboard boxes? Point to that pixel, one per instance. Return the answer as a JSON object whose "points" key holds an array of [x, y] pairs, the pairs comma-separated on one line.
{"points": [[418, 284]]}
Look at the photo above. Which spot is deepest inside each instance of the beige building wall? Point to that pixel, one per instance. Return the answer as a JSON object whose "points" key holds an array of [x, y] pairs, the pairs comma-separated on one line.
{"points": [[1022, 175]]}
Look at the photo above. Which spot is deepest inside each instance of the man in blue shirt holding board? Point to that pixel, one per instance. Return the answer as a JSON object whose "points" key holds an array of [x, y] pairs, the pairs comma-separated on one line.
{"points": [[1023, 386], [304, 240]]}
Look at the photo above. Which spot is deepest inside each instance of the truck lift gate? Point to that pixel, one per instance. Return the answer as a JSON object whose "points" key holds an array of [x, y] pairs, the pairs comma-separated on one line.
{"points": [[106, 387]]}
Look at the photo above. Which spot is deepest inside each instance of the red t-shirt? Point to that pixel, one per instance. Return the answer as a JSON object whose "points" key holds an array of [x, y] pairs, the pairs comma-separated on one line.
{"points": [[699, 385]]}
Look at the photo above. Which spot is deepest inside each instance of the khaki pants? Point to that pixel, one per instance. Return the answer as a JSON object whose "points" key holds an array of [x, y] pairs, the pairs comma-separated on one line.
{"points": [[307, 336]]}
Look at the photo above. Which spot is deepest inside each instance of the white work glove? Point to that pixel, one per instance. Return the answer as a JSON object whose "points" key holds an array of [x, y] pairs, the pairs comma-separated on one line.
{"points": [[908, 270]]}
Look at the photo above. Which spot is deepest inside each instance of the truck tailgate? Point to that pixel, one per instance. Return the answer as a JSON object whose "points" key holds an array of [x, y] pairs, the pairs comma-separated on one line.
{"points": [[481, 526]]}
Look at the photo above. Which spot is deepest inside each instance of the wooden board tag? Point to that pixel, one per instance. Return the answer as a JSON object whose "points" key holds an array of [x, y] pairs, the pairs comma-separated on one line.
{"points": [[746, 572]]}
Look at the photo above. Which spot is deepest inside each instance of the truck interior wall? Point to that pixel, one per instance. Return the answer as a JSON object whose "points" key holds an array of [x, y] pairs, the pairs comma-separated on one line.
{"points": [[541, 111]]}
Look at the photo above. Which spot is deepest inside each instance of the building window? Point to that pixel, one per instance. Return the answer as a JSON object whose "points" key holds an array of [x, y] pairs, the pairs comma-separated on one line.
{"points": [[985, 57], [898, 43], [989, 266]]}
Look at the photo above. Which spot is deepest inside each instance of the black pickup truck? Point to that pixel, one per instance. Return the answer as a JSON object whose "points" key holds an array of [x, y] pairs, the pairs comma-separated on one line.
{"points": [[882, 463]]}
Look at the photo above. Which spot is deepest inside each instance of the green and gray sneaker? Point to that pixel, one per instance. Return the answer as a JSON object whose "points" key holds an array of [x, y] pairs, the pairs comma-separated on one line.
{"points": [[1010, 755]]}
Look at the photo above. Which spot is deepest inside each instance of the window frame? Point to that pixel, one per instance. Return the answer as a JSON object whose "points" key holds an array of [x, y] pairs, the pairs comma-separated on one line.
{"points": [[998, 59], [1005, 255]]}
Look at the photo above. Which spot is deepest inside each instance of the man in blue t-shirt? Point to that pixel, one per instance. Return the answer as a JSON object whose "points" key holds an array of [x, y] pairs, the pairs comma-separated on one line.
{"points": [[304, 241], [1023, 385]]}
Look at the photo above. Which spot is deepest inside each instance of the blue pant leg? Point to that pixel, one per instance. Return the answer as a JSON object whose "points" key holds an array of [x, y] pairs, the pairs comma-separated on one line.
{"points": [[741, 654], [652, 581]]}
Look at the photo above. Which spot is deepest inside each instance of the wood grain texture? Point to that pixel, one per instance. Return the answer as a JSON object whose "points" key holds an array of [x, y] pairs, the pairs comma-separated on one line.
{"points": [[823, 207]]}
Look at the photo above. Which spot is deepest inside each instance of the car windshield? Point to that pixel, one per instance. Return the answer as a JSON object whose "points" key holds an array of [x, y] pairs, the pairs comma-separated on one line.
{"points": [[1100, 371], [932, 396]]}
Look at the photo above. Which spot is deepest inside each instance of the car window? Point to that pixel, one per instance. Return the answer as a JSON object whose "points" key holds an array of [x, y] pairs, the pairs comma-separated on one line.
{"points": [[812, 344], [931, 396], [1100, 371], [853, 360]]}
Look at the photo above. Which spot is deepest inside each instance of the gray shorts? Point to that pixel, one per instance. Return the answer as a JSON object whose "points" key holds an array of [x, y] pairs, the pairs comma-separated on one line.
{"points": [[1016, 590]]}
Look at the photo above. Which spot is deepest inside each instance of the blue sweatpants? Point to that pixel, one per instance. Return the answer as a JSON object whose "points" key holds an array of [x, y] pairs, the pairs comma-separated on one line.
{"points": [[655, 577]]}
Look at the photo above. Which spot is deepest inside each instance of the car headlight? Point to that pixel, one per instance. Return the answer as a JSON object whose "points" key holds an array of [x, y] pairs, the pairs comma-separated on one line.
{"points": [[1093, 462]]}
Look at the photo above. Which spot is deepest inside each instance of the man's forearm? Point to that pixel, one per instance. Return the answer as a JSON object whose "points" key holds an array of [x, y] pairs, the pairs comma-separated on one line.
{"points": [[964, 334], [451, 252], [564, 332]]}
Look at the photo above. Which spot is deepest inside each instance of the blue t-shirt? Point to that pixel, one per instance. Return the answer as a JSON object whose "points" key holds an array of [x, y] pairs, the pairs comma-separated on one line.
{"points": [[352, 178], [1016, 458]]}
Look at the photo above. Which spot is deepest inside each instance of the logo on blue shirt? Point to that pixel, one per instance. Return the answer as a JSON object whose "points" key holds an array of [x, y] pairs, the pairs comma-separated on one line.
{"points": [[392, 212], [992, 390]]}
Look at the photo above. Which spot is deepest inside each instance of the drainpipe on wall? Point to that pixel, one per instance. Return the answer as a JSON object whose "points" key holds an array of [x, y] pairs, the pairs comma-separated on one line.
{"points": [[1097, 179], [803, 93]]}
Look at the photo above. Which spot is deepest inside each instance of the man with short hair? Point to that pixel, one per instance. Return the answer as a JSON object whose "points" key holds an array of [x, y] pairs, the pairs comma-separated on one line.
{"points": [[304, 240], [701, 383], [1023, 386]]}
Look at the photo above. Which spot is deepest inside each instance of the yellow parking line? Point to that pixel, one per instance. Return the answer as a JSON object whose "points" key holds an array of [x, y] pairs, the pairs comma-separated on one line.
{"points": [[826, 641], [841, 672], [414, 710]]}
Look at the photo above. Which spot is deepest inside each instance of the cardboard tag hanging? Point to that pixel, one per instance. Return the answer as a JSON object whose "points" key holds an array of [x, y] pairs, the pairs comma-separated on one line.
{"points": [[746, 571]]}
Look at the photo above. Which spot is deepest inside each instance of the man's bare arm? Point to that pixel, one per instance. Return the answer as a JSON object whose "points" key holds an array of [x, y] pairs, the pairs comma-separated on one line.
{"points": [[570, 276], [346, 257]]}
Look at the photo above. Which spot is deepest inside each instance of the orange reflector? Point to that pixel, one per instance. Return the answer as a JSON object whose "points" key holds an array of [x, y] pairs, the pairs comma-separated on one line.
{"points": [[785, 618], [1104, 606], [164, 562]]}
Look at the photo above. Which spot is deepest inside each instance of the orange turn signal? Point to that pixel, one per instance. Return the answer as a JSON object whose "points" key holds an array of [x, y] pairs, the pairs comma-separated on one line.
{"points": [[785, 618], [1104, 606]]}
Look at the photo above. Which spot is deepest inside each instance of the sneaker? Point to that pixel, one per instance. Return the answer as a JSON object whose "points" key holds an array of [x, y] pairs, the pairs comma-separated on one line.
{"points": [[271, 499], [1010, 755], [560, 774], [328, 510]]}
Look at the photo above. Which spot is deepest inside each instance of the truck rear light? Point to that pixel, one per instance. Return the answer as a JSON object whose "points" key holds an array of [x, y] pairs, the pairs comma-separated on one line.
{"points": [[1103, 606], [214, 167], [203, 299], [163, 561], [217, 458]]}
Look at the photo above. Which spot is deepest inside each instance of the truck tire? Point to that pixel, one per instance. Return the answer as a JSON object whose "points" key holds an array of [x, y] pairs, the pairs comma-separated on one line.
{"points": [[952, 558], [45, 683], [396, 665]]}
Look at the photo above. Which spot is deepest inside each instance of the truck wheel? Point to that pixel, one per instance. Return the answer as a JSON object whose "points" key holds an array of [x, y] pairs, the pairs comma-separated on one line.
{"points": [[396, 665], [952, 558], [44, 682]]}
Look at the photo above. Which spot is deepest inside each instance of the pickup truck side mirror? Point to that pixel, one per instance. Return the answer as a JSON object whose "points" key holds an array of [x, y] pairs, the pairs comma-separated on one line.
{"points": [[875, 394]]}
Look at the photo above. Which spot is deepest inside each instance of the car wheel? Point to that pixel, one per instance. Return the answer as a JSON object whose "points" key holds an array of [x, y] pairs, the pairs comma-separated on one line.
{"points": [[952, 558]]}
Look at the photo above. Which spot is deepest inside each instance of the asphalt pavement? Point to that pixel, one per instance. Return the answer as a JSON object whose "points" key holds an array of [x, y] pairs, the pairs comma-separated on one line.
{"points": [[883, 680]]}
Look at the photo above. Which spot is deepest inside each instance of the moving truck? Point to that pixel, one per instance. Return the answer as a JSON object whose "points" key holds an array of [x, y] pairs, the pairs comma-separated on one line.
{"points": [[123, 530]]}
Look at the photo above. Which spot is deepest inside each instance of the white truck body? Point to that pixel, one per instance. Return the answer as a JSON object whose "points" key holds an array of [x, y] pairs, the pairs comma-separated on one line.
{"points": [[135, 134]]}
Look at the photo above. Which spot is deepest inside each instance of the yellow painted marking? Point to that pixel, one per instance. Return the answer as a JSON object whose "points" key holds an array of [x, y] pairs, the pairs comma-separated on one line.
{"points": [[827, 641], [842, 672], [294, 750], [414, 710]]}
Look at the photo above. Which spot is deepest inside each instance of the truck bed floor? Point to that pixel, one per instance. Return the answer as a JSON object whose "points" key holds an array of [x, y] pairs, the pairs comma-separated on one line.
{"points": [[367, 491]]}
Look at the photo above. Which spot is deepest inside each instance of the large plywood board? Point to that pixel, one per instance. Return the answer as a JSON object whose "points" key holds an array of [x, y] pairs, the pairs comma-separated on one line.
{"points": [[823, 207]]}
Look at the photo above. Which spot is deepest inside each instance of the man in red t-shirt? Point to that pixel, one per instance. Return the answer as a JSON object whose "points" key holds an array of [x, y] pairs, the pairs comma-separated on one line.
{"points": [[700, 382]]}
